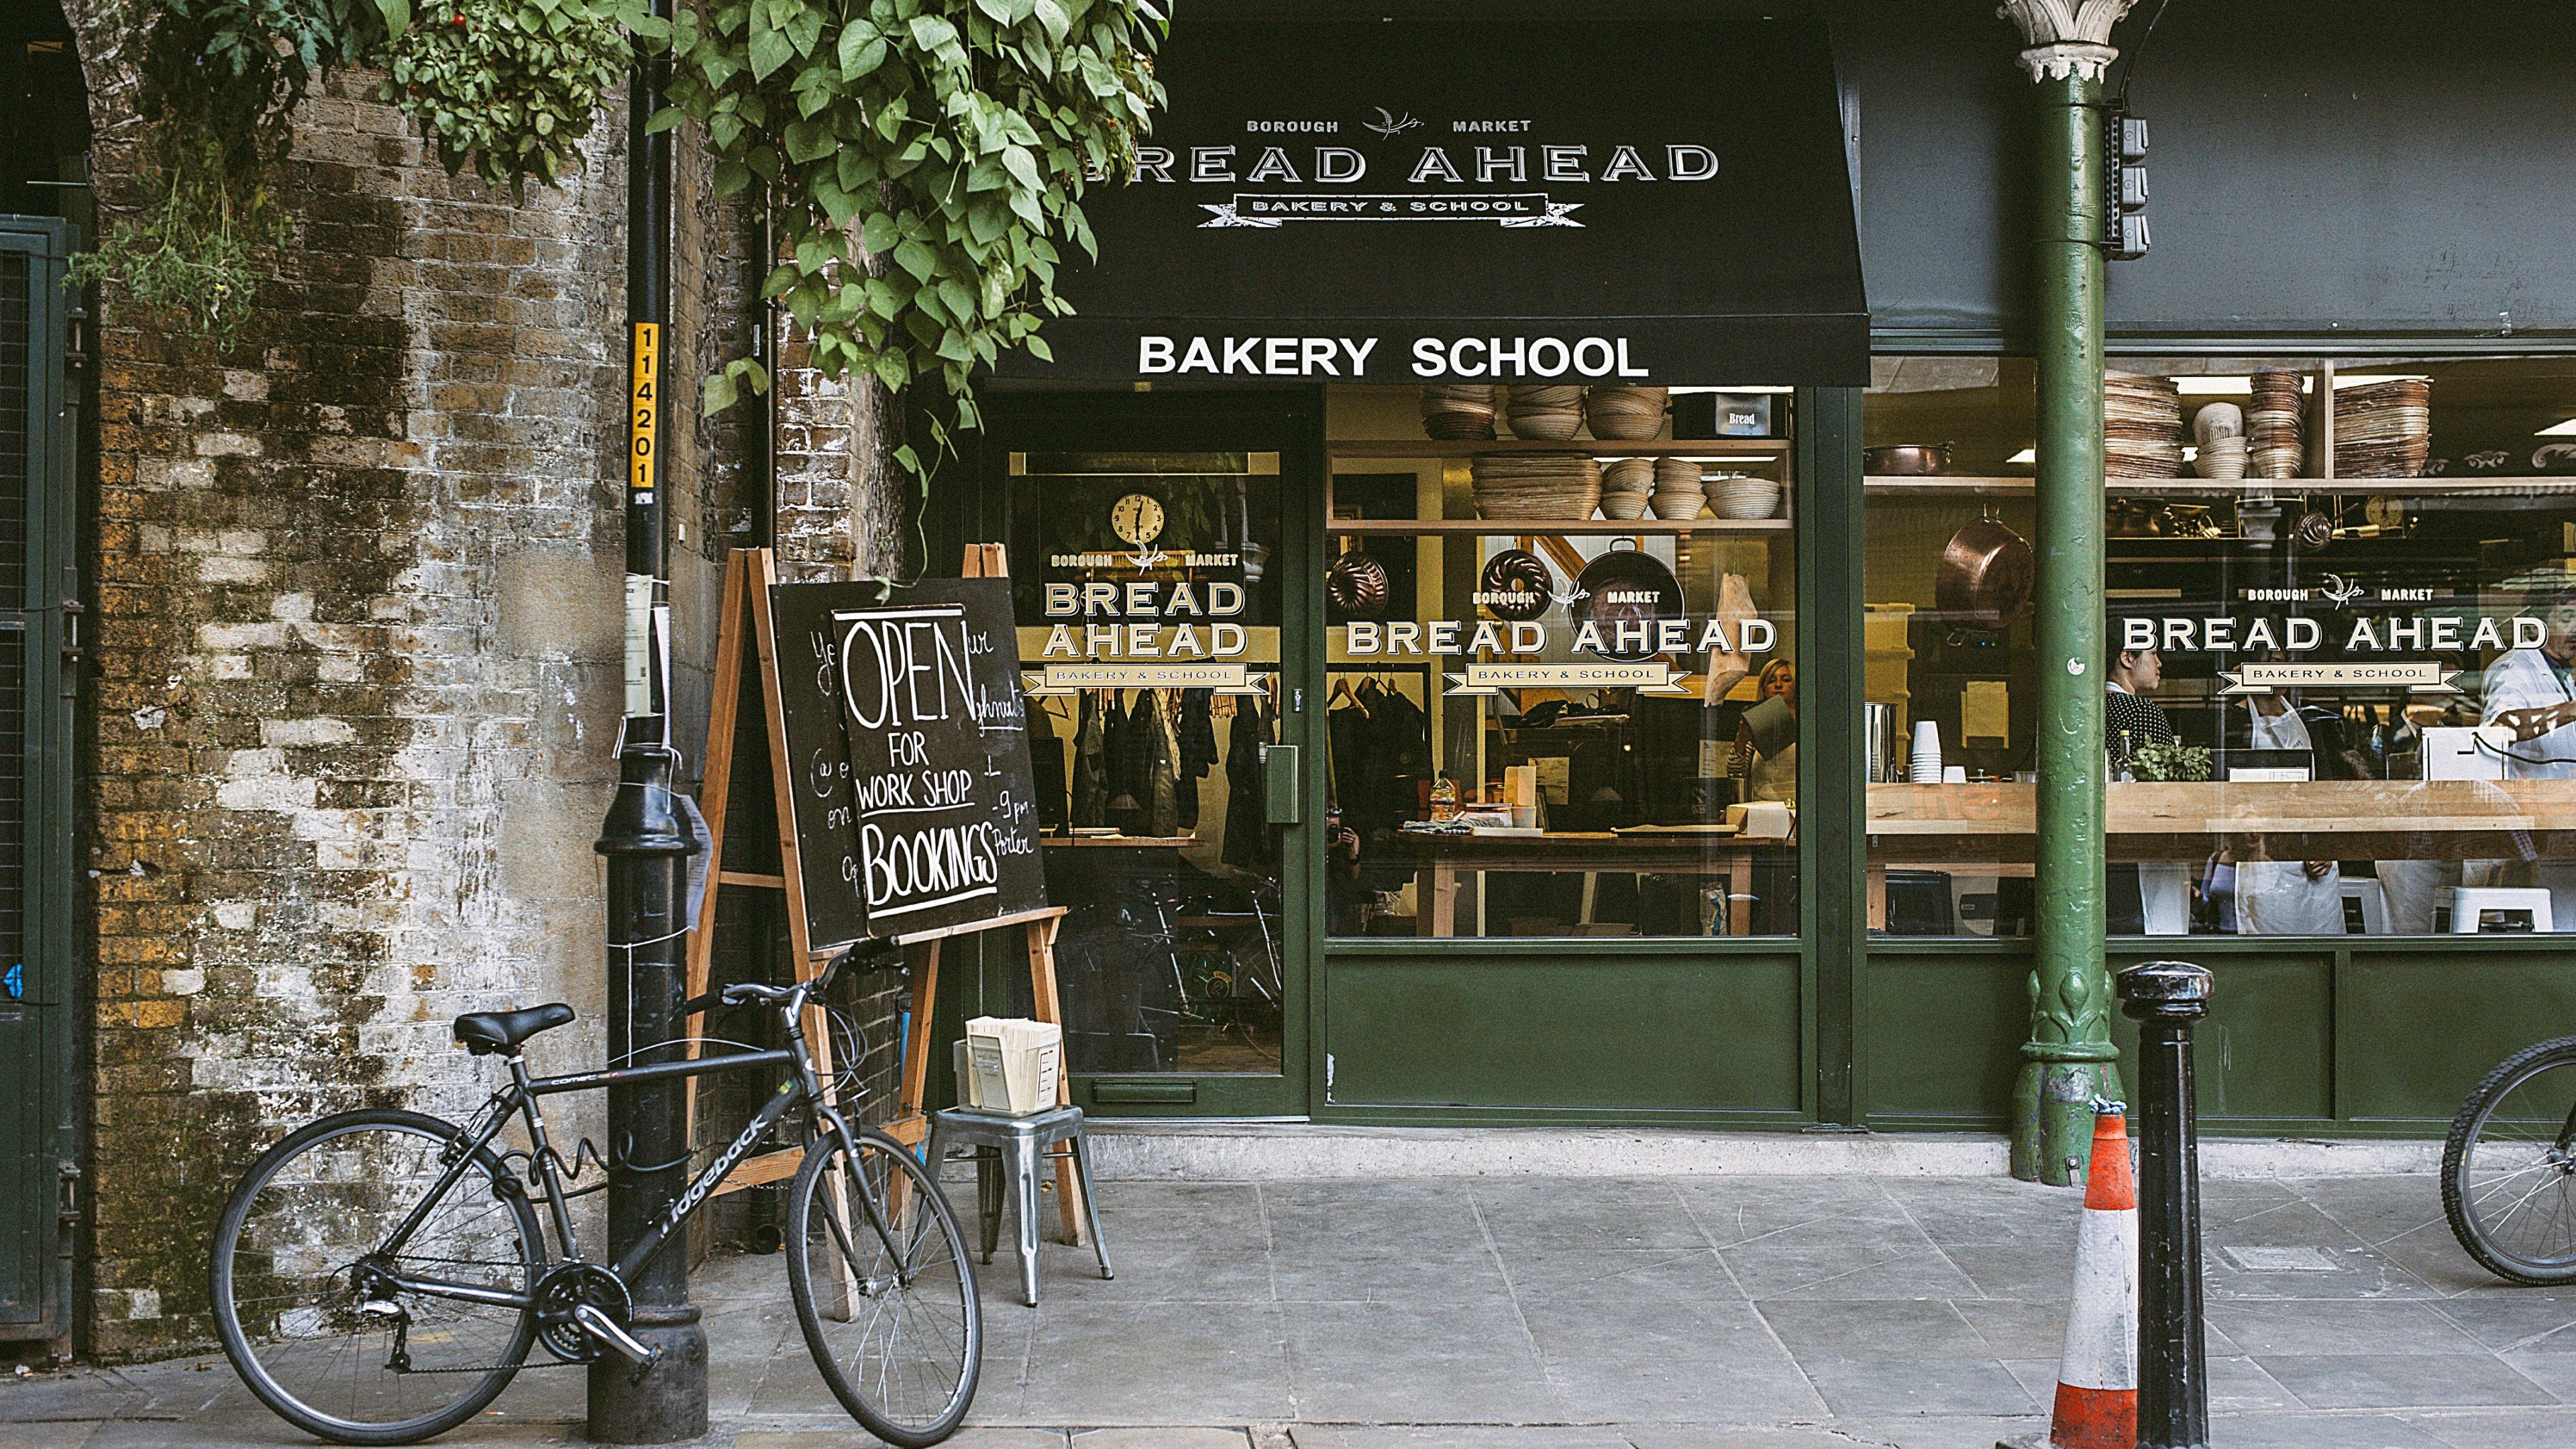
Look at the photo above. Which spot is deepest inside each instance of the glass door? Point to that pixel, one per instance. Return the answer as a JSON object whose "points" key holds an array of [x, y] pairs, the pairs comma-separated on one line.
{"points": [[1154, 577]]}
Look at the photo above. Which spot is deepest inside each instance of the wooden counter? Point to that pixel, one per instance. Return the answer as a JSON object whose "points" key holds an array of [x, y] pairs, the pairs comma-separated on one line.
{"points": [[2318, 820], [1438, 860]]}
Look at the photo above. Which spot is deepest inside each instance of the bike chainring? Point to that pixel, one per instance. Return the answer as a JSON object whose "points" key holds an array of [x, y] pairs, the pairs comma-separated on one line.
{"points": [[566, 1288]]}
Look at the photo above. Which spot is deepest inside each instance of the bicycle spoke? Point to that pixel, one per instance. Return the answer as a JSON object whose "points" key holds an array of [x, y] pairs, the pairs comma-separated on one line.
{"points": [[2509, 1183], [311, 1322], [905, 1355]]}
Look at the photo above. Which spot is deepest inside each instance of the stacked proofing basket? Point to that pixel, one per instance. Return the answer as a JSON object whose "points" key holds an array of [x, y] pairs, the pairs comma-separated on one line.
{"points": [[1554, 413], [1536, 487], [1627, 484], [1625, 412], [1459, 413]]}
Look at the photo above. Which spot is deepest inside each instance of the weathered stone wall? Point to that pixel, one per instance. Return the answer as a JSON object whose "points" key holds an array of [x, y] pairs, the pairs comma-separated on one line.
{"points": [[357, 667]]}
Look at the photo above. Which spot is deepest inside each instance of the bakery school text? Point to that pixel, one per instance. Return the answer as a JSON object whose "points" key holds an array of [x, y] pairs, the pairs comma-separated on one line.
{"points": [[1497, 357]]}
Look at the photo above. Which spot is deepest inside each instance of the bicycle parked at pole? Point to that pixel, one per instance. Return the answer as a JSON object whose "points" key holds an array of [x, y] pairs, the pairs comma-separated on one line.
{"points": [[2509, 1168], [380, 1276]]}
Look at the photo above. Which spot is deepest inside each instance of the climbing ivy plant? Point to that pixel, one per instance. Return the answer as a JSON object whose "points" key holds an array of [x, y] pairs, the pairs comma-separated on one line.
{"points": [[923, 163], [508, 87]]}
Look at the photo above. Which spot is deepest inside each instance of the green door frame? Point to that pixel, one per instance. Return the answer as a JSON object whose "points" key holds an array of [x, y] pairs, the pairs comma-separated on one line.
{"points": [[1833, 790], [1291, 423], [39, 1020]]}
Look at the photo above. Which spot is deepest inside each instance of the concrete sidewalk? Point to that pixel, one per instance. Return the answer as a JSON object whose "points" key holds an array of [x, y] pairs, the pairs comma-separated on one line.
{"points": [[1590, 1313]]}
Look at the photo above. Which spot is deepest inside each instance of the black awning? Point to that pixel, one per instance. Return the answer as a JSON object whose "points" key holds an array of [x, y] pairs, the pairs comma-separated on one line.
{"points": [[1652, 193]]}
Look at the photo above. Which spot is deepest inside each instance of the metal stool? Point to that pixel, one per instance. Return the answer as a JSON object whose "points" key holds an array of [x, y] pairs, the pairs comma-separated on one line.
{"points": [[1024, 1140]]}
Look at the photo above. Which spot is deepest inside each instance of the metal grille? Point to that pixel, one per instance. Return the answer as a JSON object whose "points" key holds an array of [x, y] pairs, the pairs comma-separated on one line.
{"points": [[15, 452]]}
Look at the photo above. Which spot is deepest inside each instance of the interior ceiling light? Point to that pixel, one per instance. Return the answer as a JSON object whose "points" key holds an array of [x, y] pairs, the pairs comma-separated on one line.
{"points": [[2026, 455], [2558, 430], [2214, 386]]}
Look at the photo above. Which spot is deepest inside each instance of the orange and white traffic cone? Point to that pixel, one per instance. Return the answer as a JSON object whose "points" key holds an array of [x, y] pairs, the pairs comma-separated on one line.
{"points": [[2097, 1381]]}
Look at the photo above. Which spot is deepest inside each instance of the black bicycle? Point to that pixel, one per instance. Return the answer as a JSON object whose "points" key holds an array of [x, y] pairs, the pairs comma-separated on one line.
{"points": [[379, 1276], [2509, 1168]]}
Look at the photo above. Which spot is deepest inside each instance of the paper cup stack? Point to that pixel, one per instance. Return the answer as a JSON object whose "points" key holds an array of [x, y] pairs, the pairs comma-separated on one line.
{"points": [[2220, 427], [1625, 412], [2273, 448], [2141, 426], [2383, 429], [1680, 492], [1627, 484], [1553, 413], [1554, 487], [1458, 413], [1927, 753]]}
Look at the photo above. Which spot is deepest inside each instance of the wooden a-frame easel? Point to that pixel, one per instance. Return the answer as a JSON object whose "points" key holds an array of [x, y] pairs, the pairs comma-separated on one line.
{"points": [[748, 640]]}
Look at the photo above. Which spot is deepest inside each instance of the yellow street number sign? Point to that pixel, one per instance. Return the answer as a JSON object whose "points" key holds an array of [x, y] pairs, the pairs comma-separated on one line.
{"points": [[643, 435]]}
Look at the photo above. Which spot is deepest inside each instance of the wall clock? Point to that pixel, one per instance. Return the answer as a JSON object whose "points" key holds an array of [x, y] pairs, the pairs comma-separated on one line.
{"points": [[1137, 518]]}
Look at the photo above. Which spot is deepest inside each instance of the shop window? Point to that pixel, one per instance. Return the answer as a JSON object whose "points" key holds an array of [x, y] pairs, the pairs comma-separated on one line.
{"points": [[1149, 627], [1561, 669], [2340, 643]]}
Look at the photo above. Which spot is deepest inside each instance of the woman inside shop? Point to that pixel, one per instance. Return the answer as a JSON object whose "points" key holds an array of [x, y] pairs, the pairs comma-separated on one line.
{"points": [[1766, 743]]}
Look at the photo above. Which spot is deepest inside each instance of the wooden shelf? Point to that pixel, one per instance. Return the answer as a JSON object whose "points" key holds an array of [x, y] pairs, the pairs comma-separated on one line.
{"points": [[2467, 486], [1641, 448], [1589, 527]]}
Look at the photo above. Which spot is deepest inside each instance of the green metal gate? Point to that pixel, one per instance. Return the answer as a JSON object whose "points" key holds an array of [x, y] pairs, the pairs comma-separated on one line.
{"points": [[38, 574]]}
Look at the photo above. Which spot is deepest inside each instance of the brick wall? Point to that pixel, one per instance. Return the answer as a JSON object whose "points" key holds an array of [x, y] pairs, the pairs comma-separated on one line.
{"points": [[356, 681], [356, 673]]}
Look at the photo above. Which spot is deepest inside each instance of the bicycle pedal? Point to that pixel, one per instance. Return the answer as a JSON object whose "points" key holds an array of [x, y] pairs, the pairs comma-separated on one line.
{"points": [[381, 1308], [609, 1331]]}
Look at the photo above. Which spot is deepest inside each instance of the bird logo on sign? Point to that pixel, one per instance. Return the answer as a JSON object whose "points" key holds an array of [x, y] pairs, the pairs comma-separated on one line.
{"points": [[1388, 126], [2339, 590]]}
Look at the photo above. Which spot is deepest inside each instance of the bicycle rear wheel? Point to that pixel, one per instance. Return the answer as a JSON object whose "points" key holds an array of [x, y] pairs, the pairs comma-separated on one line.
{"points": [[2509, 1169], [883, 1289], [303, 1311]]}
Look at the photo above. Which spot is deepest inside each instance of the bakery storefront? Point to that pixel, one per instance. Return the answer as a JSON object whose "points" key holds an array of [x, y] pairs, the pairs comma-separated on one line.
{"points": [[1477, 678], [1407, 534]]}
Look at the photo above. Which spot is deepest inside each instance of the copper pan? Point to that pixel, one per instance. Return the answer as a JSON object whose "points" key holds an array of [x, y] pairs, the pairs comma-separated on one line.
{"points": [[1987, 571]]}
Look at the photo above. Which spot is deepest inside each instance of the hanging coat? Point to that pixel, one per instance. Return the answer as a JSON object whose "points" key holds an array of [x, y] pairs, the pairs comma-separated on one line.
{"points": [[1248, 844], [1090, 785]]}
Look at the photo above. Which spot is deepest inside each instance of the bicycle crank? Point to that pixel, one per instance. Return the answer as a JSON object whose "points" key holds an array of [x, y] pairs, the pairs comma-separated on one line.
{"points": [[580, 1308]]}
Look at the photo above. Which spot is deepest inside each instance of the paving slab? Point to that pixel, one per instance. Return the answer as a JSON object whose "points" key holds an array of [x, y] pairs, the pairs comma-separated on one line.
{"points": [[1165, 1437], [2401, 1380], [1530, 1312]]}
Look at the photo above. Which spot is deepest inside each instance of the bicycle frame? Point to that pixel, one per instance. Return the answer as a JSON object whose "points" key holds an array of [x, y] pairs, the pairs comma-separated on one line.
{"points": [[520, 1097]]}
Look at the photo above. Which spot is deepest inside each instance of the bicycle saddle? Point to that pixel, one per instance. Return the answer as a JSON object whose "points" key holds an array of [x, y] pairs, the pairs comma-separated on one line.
{"points": [[486, 1032]]}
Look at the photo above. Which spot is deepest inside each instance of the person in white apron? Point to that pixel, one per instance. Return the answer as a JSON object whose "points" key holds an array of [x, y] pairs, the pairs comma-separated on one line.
{"points": [[2286, 897]]}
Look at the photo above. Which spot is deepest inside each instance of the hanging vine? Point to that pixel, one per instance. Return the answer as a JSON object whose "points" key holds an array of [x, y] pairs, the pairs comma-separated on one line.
{"points": [[923, 163], [508, 87]]}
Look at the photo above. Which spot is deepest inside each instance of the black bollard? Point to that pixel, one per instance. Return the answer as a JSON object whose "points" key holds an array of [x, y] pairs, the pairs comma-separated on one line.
{"points": [[2165, 998]]}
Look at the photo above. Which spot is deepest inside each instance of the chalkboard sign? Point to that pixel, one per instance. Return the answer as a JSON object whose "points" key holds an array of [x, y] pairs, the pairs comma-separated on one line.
{"points": [[907, 742]]}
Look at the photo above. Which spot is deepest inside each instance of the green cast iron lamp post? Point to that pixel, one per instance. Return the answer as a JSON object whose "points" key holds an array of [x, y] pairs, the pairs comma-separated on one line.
{"points": [[2069, 1060]]}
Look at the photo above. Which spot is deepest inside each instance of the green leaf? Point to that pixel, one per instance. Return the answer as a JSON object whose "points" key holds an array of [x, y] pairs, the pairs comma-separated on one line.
{"points": [[879, 234], [1037, 348], [1058, 24], [1023, 166], [717, 393], [397, 15], [770, 49], [917, 259], [809, 141]]}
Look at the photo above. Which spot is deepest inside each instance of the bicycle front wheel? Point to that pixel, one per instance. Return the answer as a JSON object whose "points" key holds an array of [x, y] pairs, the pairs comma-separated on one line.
{"points": [[301, 1279], [883, 1289], [2509, 1169]]}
